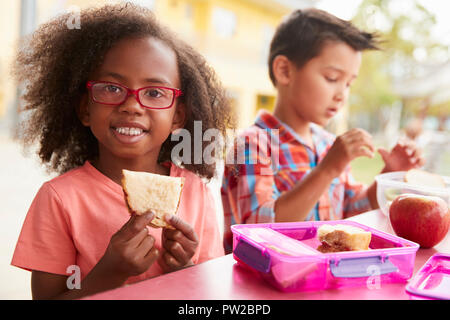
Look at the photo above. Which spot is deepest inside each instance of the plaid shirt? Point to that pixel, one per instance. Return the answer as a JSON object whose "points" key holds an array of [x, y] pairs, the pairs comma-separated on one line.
{"points": [[273, 159]]}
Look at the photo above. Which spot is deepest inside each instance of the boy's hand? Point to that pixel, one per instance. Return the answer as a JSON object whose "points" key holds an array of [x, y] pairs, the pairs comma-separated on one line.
{"points": [[131, 250], [350, 145], [404, 156], [179, 245]]}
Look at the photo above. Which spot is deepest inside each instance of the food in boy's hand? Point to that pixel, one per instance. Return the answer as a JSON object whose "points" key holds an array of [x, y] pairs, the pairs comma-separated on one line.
{"points": [[336, 238], [146, 192], [419, 218], [424, 178]]}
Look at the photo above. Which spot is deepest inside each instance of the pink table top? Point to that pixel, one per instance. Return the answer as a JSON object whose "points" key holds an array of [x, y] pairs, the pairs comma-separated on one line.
{"points": [[224, 279]]}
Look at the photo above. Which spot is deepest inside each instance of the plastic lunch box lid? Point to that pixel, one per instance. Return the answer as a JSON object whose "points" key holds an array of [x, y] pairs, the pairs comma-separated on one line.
{"points": [[432, 281], [395, 180], [350, 265]]}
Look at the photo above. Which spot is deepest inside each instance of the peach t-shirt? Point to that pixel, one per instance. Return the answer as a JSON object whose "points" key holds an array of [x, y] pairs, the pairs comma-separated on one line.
{"points": [[73, 216]]}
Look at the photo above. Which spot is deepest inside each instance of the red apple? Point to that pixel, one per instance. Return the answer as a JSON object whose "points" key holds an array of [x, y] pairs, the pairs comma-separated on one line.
{"points": [[421, 219]]}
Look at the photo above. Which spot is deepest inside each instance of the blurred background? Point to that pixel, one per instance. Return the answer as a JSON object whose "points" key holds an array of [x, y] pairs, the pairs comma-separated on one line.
{"points": [[402, 91]]}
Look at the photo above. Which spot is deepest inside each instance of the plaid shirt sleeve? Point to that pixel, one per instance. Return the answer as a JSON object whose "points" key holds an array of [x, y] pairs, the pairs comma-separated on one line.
{"points": [[248, 193], [356, 200]]}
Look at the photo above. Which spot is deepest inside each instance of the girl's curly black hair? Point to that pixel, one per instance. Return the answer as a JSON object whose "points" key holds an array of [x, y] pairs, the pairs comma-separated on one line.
{"points": [[54, 63]]}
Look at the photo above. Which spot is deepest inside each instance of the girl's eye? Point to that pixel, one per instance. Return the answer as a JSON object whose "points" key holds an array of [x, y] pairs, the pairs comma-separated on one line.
{"points": [[112, 89], [154, 93]]}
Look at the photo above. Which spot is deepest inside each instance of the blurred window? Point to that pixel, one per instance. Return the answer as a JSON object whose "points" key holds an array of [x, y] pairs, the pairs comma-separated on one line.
{"points": [[224, 22], [233, 97], [266, 102], [267, 34], [188, 11]]}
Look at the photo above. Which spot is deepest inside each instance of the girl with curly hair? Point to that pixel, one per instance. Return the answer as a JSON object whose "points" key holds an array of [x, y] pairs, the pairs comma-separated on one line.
{"points": [[103, 98]]}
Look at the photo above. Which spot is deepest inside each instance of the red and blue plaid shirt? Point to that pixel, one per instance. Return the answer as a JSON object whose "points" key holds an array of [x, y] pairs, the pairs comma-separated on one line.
{"points": [[270, 158]]}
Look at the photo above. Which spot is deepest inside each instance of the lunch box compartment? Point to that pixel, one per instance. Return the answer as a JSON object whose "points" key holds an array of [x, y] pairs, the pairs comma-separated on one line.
{"points": [[285, 255]]}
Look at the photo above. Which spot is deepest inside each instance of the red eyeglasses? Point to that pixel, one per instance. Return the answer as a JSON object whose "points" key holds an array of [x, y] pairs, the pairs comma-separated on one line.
{"points": [[114, 94]]}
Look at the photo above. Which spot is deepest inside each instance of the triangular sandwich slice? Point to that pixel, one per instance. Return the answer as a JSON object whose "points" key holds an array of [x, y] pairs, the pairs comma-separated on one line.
{"points": [[146, 192]]}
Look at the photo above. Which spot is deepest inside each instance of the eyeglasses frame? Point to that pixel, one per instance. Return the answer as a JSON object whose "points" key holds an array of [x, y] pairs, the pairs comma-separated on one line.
{"points": [[176, 93]]}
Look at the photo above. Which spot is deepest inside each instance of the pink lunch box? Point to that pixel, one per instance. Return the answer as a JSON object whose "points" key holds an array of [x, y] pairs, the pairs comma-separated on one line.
{"points": [[432, 281], [285, 255]]}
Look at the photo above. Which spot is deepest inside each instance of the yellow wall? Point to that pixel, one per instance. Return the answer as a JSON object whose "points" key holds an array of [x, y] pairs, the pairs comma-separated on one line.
{"points": [[240, 60]]}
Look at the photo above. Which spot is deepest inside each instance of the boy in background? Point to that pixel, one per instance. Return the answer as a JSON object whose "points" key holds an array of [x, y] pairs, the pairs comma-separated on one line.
{"points": [[314, 58]]}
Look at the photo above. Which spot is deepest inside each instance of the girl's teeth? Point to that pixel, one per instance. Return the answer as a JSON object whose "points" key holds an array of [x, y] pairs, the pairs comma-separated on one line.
{"points": [[129, 131]]}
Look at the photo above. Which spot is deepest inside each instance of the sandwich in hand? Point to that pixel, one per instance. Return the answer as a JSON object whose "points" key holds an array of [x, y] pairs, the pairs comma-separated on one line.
{"points": [[148, 192]]}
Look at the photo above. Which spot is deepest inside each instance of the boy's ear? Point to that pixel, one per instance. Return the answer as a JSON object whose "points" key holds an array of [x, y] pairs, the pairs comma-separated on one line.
{"points": [[179, 118], [281, 67], [83, 110]]}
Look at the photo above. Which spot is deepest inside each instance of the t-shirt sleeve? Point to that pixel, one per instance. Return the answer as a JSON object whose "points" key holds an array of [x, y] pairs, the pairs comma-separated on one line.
{"points": [[45, 242], [210, 240]]}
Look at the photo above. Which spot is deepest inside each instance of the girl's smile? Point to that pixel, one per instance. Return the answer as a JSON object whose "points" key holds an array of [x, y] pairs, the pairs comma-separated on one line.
{"points": [[129, 132]]}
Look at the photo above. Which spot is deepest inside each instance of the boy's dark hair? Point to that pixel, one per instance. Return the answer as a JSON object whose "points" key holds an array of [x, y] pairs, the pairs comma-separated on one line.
{"points": [[54, 65], [302, 34]]}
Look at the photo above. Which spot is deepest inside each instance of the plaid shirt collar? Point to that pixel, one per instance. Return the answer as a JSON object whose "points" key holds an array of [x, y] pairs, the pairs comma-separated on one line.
{"points": [[266, 120]]}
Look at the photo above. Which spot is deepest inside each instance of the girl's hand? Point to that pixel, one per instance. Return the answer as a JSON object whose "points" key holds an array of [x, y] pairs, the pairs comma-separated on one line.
{"points": [[404, 156], [352, 144], [179, 245], [131, 250]]}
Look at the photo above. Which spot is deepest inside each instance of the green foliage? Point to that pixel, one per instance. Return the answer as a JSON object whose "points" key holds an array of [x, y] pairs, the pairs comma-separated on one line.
{"points": [[372, 88], [365, 169], [402, 32]]}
